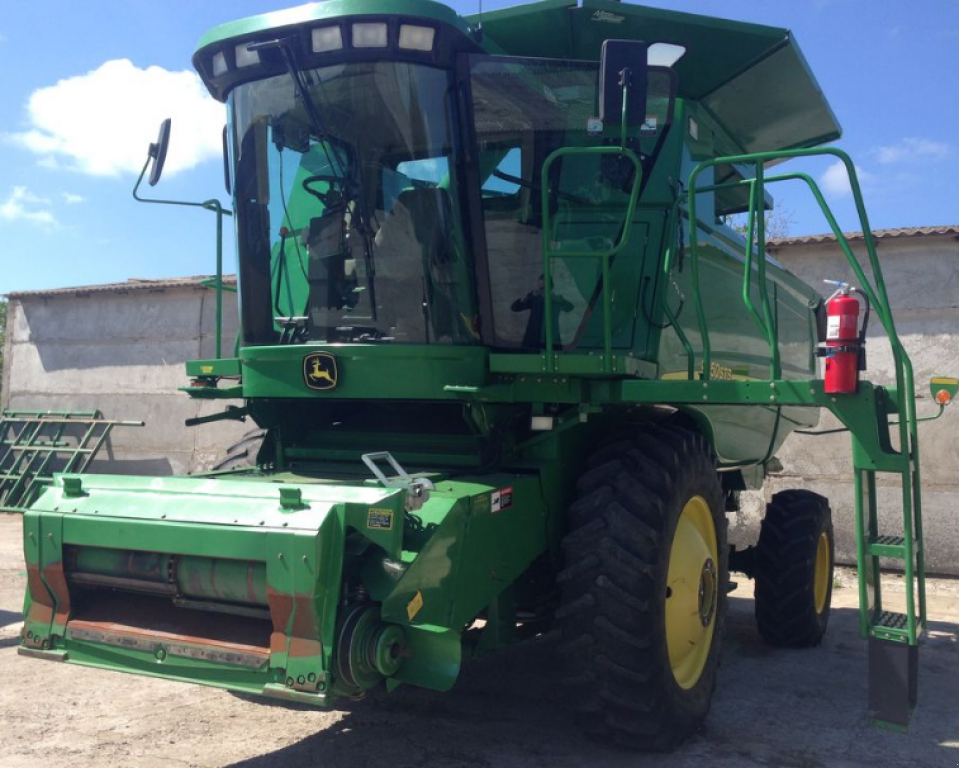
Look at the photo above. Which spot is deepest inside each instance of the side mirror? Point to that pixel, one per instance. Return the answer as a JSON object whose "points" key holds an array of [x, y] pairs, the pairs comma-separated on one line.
{"points": [[622, 70], [158, 152], [943, 389]]}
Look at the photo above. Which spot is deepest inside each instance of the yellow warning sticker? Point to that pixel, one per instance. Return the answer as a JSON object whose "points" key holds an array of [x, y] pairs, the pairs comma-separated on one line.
{"points": [[413, 606], [381, 519], [206, 369]]}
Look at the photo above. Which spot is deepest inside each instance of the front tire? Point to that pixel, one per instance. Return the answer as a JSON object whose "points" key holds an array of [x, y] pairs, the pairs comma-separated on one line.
{"points": [[644, 590], [794, 570], [242, 454]]}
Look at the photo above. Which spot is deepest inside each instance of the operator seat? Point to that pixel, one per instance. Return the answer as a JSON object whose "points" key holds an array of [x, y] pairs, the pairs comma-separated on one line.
{"points": [[412, 252]]}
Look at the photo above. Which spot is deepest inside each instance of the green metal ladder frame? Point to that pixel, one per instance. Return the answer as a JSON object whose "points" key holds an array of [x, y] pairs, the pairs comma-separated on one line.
{"points": [[905, 546], [32, 441]]}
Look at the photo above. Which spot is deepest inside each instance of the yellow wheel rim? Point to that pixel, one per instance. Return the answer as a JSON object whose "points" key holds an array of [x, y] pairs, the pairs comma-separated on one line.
{"points": [[692, 592], [822, 572]]}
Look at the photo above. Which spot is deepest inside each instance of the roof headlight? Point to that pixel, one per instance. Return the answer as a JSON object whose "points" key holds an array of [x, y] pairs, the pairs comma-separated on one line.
{"points": [[369, 35], [327, 39], [219, 64], [245, 57], [416, 38]]}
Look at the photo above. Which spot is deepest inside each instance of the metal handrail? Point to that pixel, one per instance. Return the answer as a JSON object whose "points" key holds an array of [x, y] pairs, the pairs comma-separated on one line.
{"points": [[549, 253], [875, 292]]}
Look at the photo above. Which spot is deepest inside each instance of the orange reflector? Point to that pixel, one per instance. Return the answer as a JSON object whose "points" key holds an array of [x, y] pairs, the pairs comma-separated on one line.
{"points": [[943, 397]]}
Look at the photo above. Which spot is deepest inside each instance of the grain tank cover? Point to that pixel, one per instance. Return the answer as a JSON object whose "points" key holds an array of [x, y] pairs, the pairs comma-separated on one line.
{"points": [[753, 78]]}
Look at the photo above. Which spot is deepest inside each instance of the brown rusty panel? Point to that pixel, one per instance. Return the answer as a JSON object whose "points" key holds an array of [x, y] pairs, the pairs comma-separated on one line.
{"points": [[88, 628], [305, 622], [56, 580], [41, 606], [281, 606], [184, 646], [304, 638]]}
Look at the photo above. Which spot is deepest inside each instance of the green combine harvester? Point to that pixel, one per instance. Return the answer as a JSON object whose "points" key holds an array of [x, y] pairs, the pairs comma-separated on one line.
{"points": [[512, 370]]}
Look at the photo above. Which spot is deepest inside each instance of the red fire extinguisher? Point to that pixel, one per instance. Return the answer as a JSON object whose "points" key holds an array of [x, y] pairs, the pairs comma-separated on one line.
{"points": [[845, 350]]}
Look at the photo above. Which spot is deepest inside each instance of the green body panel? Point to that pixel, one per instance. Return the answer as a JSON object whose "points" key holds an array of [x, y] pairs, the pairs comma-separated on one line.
{"points": [[225, 545], [742, 73], [365, 371]]}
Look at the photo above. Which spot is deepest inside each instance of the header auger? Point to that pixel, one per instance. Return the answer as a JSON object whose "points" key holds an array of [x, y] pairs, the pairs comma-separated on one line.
{"points": [[496, 262]]}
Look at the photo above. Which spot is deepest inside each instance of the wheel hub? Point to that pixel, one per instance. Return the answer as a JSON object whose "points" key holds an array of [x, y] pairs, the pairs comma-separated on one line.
{"points": [[707, 592]]}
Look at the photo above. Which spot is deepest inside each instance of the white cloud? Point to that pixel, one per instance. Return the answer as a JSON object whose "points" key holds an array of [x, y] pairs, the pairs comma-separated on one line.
{"points": [[23, 205], [101, 123], [911, 148], [835, 180], [72, 199]]}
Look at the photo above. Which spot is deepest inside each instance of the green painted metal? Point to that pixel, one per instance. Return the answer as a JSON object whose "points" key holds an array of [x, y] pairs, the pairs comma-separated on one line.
{"points": [[305, 579], [550, 252], [733, 68]]}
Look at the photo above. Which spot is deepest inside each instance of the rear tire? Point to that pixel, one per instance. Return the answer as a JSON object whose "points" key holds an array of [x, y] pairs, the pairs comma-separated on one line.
{"points": [[625, 589], [794, 570], [242, 453]]}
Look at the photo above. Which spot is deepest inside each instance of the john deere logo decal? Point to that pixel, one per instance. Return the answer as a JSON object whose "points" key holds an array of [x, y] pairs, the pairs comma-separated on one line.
{"points": [[319, 370]]}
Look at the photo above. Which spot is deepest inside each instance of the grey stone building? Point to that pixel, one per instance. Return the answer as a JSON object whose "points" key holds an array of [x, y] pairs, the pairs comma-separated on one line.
{"points": [[921, 270], [120, 349]]}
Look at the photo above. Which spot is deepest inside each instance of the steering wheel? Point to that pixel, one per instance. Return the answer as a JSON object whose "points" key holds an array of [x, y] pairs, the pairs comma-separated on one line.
{"points": [[331, 195]]}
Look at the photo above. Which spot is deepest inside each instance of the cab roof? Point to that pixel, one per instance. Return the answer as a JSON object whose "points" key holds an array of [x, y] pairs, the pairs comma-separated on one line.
{"points": [[752, 78]]}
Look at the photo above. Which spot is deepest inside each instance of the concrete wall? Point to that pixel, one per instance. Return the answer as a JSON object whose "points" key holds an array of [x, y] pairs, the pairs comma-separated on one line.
{"points": [[122, 351], [922, 277]]}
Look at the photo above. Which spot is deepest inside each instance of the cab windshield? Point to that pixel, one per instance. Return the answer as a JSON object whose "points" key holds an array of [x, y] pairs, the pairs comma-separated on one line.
{"points": [[347, 217]]}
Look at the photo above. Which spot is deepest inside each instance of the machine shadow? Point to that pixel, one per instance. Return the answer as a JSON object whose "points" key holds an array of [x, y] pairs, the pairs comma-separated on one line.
{"points": [[508, 709], [507, 703], [9, 617]]}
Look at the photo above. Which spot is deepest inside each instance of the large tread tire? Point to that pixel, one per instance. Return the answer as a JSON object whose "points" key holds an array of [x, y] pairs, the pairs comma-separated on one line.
{"points": [[242, 454], [786, 611], [612, 618]]}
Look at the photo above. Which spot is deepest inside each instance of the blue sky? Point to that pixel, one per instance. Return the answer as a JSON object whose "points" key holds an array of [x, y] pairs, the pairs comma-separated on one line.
{"points": [[85, 85]]}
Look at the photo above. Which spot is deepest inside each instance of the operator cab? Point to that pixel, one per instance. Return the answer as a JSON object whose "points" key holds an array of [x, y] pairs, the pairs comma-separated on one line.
{"points": [[387, 176], [349, 221]]}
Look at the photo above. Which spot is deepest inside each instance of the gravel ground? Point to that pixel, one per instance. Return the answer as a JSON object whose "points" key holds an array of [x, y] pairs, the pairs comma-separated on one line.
{"points": [[789, 709]]}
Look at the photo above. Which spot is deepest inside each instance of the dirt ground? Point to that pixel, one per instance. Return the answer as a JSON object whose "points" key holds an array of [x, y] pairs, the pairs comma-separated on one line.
{"points": [[789, 709]]}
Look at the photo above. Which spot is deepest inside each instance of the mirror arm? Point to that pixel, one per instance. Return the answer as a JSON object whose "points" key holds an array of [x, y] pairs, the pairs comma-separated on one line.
{"points": [[208, 205]]}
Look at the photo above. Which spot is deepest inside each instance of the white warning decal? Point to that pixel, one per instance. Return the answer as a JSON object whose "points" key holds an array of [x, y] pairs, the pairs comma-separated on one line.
{"points": [[501, 500]]}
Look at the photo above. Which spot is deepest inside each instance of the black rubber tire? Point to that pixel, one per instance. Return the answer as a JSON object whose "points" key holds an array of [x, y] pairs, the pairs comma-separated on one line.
{"points": [[785, 566], [243, 452], [612, 618]]}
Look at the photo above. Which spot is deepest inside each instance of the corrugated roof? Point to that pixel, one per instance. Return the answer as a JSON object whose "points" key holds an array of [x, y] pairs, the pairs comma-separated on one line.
{"points": [[133, 284], [878, 234]]}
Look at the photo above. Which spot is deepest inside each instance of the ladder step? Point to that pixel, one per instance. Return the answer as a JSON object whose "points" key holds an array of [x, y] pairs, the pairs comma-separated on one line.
{"points": [[888, 546], [892, 620], [890, 625]]}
